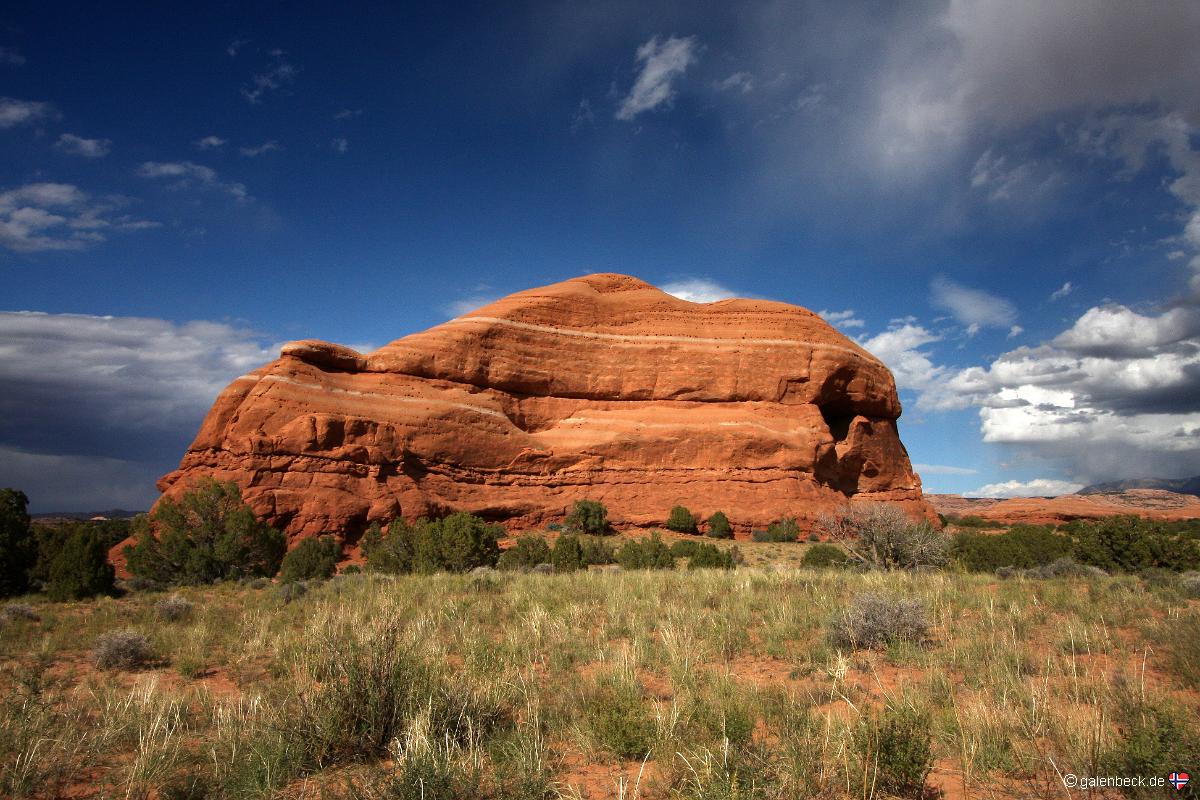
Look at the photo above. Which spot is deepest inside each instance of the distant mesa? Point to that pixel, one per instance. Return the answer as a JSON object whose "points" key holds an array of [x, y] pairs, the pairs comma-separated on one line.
{"points": [[1151, 503], [1177, 485], [599, 387]]}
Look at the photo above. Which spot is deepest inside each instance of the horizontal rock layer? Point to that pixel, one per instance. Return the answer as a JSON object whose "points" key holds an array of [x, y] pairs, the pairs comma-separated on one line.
{"points": [[600, 387]]}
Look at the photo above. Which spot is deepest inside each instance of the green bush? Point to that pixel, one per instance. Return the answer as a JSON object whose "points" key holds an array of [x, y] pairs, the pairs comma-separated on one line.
{"points": [[820, 556], [209, 534], [895, 752], [684, 548], [618, 719], [81, 569], [969, 521], [1132, 544], [719, 527], [457, 543], [1021, 547], [648, 553], [567, 554], [528, 552], [680, 520], [18, 551], [588, 516], [465, 541], [1154, 739], [709, 556], [597, 551], [784, 530], [314, 558]]}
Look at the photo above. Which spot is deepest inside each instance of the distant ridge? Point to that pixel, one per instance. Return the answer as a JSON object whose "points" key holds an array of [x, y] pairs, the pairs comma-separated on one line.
{"points": [[112, 513], [1178, 485]]}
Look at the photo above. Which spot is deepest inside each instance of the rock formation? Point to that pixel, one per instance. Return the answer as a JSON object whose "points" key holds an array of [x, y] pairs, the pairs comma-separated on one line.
{"points": [[599, 387]]}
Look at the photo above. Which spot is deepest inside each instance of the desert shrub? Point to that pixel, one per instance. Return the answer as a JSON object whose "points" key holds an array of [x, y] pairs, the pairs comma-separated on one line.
{"points": [[457, 543], [209, 534], [1064, 568], [464, 541], [784, 530], [680, 520], [528, 552], [174, 608], [567, 554], [875, 621], [1154, 738], [81, 568], [18, 550], [392, 553], [820, 556], [359, 691], [1022, 547], [969, 521], [684, 548], [1132, 544], [588, 516], [597, 551], [719, 527], [709, 556], [879, 536], [121, 650], [314, 558], [894, 749], [289, 592], [19, 612], [1189, 585], [648, 553], [618, 719]]}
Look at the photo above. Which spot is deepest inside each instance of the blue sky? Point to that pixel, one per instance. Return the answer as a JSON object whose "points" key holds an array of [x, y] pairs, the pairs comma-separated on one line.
{"points": [[999, 199]]}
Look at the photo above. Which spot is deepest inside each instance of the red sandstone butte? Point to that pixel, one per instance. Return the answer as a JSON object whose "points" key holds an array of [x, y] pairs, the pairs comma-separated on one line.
{"points": [[599, 387]]}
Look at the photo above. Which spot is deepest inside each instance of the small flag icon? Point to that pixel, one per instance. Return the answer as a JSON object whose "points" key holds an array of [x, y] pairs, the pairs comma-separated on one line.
{"points": [[1178, 779]]}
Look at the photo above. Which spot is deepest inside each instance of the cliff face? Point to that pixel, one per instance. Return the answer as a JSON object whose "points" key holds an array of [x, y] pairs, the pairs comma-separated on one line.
{"points": [[599, 387]]}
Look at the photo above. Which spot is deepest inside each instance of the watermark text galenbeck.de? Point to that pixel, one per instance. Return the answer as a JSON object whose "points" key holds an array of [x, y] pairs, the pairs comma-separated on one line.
{"points": [[1072, 781]]}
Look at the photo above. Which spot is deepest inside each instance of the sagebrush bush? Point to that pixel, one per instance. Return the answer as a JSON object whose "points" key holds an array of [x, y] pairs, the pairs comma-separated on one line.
{"points": [[588, 516], [719, 527], [122, 650], [19, 612], [875, 621], [680, 520], [311, 559], [527, 553], [1064, 568], [880, 536], [291, 591], [174, 608], [820, 556], [1189, 584]]}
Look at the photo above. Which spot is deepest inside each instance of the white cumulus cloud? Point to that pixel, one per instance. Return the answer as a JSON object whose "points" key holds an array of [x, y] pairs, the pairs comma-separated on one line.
{"points": [[698, 290], [1038, 487]]}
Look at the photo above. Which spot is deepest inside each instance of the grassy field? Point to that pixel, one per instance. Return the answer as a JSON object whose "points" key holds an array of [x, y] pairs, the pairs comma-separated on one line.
{"points": [[696, 684]]}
